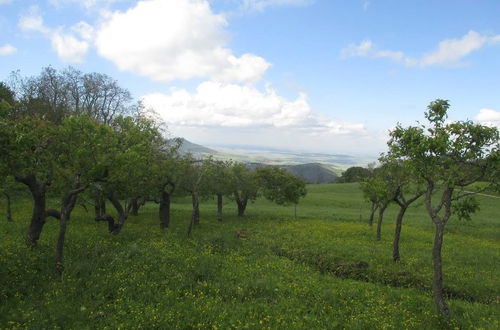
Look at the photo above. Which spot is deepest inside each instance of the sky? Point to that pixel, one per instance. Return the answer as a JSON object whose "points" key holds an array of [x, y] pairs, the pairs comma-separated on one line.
{"points": [[326, 76]]}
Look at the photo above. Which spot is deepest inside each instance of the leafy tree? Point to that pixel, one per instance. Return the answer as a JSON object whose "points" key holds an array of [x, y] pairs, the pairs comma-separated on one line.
{"points": [[280, 186], [133, 147], [6, 94], [194, 183], [31, 162], [218, 180], [355, 174], [244, 186], [380, 193], [406, 188], [80, 143], [448, 157], [169, 167]]}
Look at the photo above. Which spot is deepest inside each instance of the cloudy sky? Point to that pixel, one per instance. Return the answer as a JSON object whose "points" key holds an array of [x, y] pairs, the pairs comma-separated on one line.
{"points": [[304, 75]]}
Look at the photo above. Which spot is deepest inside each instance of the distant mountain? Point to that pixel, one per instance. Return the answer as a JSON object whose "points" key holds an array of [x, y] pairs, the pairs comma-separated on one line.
{"points": [[311, 167], [312, 173], [195, 149]]}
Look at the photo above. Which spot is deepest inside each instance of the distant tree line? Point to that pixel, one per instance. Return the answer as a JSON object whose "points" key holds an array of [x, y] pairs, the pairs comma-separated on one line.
{"points": [[80, 137]]}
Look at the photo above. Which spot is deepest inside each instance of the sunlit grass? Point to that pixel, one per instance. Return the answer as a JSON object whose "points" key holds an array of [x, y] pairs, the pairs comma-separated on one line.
{"points": [[280, 273]]}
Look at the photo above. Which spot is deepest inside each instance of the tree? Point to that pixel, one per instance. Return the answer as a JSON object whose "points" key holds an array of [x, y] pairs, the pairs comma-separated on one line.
{"points": [[194, 184], [380, 192], [218, 180], [169, 168], [407, 188], [355, 174], [244, 186], [133, 147], [280, 186], [448, 157], [54, 95], [80, 143], [31, 162]]}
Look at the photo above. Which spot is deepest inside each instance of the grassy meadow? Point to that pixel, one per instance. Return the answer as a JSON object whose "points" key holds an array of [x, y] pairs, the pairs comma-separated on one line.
{"points": [[267, 270]]}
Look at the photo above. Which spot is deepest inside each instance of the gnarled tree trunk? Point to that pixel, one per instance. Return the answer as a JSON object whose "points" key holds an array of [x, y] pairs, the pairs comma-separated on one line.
{"points": [[114, 227], [38, 190]]}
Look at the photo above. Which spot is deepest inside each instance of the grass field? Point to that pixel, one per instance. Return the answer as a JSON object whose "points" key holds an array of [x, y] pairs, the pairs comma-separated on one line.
{"points": [[267, 270]]}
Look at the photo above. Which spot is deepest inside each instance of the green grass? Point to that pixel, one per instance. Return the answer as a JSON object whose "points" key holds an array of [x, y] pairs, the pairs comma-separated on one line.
{"points": [[281, 273]]}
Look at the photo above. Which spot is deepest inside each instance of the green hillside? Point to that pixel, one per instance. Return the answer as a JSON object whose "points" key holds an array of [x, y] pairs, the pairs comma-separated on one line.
{"points": [[267, 270]]}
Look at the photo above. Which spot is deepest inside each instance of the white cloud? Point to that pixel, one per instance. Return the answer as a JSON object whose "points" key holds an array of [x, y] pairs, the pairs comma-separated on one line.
{"points": [[260, 5], [67, 46], [216, 104], [167, 40], [3, 2], [448, 53], [488, 117], [7, 50]]}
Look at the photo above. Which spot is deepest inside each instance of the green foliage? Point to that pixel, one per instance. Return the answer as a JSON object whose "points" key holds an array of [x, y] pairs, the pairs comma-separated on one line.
{"points": [[464, 207], [279, 186], [243, 182], [355, 174]]}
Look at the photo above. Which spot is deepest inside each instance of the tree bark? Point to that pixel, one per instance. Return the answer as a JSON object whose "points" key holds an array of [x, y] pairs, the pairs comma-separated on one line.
{"points": [[397, 233], [164, 210], [134, 210], [114, 227], [8, 206], [219, 207], [437, 284], [67, 205], [242, 204], [38, 190], [196, 209], [372, 214], [379, 222]]}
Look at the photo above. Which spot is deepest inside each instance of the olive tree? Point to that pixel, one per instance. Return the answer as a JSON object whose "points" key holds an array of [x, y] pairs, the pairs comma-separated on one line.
{"points": [[448, 157]]}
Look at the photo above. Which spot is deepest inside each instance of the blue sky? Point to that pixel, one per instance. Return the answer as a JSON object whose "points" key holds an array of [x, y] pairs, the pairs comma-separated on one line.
{"points": [[310, 75]]}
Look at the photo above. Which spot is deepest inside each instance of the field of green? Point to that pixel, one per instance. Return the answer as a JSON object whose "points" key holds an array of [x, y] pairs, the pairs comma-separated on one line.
{"points": [[267, 270]]}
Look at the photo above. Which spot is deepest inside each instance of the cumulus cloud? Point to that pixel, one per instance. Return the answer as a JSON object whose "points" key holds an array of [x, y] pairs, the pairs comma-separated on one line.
{"points": [[216, 104], [449, 52], [167, 40], [67, 46], [260, 5], [7, 50], [488, 117]]}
